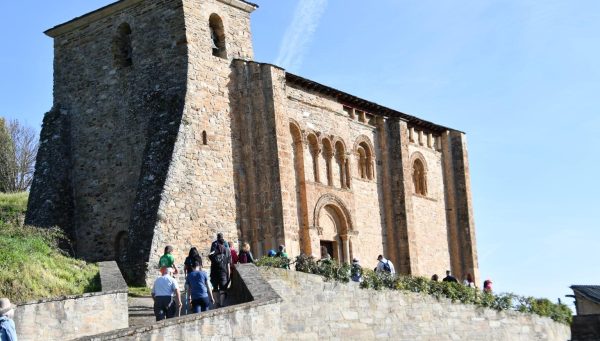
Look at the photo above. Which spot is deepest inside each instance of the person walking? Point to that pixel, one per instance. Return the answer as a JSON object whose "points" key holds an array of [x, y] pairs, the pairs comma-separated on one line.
{"points": [[245, 255], [194, 255], [469, 282], [487, 286], [188, 266], [356, 271], [385, 265], [220, 268], [200, 296], [234, 254], [166, 295], [449, 278], [282, 254], [168, 260], [8, 330], [325, 256]]}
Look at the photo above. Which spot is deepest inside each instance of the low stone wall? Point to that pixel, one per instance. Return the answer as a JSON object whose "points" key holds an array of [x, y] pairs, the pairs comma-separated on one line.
{"points": [[314, 309], [66, 318], [257, 319], [586, 328], [288, 305]]}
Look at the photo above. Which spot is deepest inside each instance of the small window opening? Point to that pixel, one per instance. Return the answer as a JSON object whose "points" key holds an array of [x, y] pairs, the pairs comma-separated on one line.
{"points": [[217, 36], [419, 178], [122, 50], [204, 138]]}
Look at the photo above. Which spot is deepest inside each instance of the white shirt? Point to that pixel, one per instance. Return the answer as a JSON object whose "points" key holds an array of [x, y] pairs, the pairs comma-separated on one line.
{"points": [[380, 265], [165, 286]]}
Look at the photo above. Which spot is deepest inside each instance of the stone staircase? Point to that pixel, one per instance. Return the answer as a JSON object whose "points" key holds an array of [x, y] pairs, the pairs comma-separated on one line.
{"points": [[141, 311]]}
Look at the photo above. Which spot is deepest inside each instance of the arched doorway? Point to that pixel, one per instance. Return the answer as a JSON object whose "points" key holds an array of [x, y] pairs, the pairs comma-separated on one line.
{"points": [[334, 225]]}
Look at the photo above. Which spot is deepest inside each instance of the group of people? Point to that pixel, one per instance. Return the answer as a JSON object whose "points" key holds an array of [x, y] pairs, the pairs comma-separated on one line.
{"points": [[468, 281], [386, 266], [202, 290]]}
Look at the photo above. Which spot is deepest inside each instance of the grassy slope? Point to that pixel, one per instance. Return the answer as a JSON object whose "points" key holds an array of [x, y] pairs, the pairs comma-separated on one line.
{"points": [[31, 266], [12, 206]]}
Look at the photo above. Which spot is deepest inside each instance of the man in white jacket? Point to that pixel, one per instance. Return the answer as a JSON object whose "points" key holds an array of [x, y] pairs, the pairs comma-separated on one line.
{"points": [[385, 265]]}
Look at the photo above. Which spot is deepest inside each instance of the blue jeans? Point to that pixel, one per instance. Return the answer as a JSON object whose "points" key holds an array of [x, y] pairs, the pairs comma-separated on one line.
{"points": [[200, 304]]}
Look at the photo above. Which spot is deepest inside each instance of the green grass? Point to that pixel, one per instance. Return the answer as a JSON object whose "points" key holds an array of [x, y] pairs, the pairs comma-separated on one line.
{"points": [[13, 206], [139, 292], [31, 264]]}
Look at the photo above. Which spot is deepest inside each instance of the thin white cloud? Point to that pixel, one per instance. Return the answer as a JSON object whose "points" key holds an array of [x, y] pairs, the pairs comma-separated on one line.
{"points": [[300, 33]]}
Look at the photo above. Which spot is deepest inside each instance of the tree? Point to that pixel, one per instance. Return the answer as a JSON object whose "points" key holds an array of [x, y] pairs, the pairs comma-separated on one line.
{"points": [[18, 150], [8, 164]]}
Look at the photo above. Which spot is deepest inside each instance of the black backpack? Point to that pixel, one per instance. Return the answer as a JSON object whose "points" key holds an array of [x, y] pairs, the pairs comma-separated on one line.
{"points": [[221, 256], [386, 266]]}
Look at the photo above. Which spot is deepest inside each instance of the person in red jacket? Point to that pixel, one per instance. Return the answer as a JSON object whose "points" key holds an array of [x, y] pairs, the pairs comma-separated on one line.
{"points": [[234, 254]]}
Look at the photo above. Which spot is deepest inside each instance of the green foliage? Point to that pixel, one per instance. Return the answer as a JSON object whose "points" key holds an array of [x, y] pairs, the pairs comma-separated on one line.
{"points": [[274, 262], [33, 267], [456, 292], [31, 264], [13, 207], [139, 292]]}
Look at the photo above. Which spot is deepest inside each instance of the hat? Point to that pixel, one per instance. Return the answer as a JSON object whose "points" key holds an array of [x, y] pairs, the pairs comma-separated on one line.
{"points": [[5, 306], [355, 260]]}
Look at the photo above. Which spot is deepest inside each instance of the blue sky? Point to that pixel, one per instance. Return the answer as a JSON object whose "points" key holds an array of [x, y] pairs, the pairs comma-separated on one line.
{"points": [[520, 77]]}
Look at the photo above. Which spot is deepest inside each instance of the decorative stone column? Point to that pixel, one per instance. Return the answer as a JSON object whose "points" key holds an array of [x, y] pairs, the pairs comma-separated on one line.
{"points": [[345, 248]]}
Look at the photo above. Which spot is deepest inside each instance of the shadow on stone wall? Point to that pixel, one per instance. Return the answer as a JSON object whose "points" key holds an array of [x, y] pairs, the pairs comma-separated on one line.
{"points": [[65, 318]]}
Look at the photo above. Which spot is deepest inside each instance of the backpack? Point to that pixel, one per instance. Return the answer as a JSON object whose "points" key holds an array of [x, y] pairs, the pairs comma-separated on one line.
{"points": [[386, 266], [220, 257], [243, 257]]}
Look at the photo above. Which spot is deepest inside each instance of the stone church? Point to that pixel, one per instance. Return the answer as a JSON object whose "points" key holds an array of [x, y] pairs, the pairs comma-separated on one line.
{"points": [[164, 130]]}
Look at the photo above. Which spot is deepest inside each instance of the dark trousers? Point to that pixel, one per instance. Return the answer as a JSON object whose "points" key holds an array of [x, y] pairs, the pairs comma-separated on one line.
{"points": [[200, 304], [164, 307]]}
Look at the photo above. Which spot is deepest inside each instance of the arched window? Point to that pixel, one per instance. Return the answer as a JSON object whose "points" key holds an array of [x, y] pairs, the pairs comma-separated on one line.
{"points": [[204, 138], [365, 161], [328, 155], [217, 36], [313, 146], [122, 50], [419, 177]]}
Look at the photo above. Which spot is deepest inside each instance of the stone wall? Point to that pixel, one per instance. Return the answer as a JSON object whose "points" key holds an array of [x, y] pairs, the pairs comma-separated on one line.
{"points": [[313, 309], [255, 320], [199, 196], [111, 126], [66, 318], [351, 215], [288, 305]]}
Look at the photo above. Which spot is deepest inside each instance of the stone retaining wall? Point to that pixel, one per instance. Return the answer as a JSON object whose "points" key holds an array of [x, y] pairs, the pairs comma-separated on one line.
{"points": [[70, 317], [288, 305], [314, 309], [256, 320]]}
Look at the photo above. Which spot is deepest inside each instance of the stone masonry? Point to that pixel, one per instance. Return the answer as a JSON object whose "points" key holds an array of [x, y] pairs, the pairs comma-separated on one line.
{"points": [[165, 131], [289, 305]]}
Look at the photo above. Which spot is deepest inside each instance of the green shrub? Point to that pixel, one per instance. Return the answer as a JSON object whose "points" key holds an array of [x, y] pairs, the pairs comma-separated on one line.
{"points": [[274, 262], [456, 292]]}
